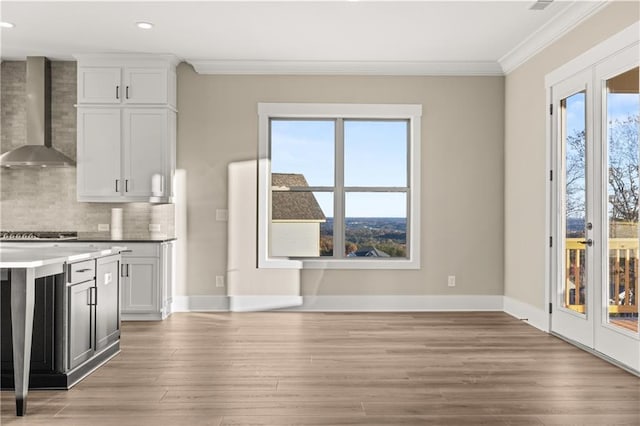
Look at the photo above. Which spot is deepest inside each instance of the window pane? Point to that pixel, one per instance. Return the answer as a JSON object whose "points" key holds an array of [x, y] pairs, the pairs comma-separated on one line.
{"points": [[376, 224], [375, 153], [301, 225], [304, 147]]}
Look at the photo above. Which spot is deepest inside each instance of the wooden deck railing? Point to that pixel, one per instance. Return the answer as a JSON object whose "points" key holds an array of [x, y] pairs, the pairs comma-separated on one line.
{"points": [[623, 275]]}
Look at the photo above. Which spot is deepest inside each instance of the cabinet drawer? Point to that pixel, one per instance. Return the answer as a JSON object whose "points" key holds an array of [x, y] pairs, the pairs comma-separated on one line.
{"points": [[82, 271], [141, 250]]}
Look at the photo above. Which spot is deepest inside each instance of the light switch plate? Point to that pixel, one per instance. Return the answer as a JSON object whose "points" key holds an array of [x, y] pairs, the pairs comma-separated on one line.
{"points": [[222, 215], [219, 280], [103, 227]]}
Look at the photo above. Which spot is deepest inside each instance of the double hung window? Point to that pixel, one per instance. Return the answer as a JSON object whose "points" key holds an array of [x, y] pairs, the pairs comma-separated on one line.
{"points": [[339, 185]]}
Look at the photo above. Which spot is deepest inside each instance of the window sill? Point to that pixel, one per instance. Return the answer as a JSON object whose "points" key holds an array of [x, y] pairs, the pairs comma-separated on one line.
{"points": [[373, 264]]}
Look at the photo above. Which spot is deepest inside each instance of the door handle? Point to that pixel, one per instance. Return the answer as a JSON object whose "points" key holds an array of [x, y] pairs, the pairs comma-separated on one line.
{"points": [[127, 269], [127, 92], [93, 296], [588, 242], [117, 180], [117, 92]]}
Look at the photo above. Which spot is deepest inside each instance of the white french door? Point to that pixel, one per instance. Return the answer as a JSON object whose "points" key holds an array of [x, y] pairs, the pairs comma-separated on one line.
{"points": [[595, 206], [574, 272], [617, 332]]}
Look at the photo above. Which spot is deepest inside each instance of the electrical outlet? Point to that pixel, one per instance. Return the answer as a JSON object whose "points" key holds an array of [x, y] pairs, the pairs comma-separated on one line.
{"points": [[219, 280], [103, 227], [154, 227], [451, 281], [222, 215]]}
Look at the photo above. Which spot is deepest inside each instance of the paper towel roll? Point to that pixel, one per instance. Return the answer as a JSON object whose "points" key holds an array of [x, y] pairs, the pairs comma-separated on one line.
{"points": [[157, 187], [116, 223]]}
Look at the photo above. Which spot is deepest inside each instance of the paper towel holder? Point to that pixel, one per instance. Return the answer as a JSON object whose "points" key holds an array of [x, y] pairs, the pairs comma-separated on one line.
{"points": [[157, 189]]}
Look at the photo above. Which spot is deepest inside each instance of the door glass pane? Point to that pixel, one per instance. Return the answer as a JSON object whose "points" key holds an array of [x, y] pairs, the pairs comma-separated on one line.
{"points": [[573, 137], [623, 108], [375, 224]]}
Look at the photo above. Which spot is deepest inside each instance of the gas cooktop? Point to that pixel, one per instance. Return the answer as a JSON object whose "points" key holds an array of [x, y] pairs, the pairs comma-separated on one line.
{"points": [[38, 235]]}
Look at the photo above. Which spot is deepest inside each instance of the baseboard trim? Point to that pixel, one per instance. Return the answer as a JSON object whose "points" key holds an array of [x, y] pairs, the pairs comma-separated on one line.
{"points": [[262, 303], [200, 304], [371, 303], [396, 303], [536, 317]]}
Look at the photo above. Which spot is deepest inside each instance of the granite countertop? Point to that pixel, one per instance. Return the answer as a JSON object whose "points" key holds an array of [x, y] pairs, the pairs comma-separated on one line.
{"points": [[102, 237], [33, 257], [98, 238]]}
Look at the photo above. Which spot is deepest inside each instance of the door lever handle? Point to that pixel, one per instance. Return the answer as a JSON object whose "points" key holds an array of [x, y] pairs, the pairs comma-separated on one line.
{"points": [[588, 242]]}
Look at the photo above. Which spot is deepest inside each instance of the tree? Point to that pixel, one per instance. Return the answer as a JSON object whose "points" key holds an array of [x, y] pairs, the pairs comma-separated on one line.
{"points": [[575, 181], [623, 176], [623, 169]]}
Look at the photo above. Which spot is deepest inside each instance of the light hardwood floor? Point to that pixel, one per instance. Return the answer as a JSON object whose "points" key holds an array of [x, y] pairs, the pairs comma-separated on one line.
{"points": [[341, 369]]}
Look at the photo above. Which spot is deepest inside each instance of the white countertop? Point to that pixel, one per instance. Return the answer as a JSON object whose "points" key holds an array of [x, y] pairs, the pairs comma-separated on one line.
{"points": [[33, 257]]}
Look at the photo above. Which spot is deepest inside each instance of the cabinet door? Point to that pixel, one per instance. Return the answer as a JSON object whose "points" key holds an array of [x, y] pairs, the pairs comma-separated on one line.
{"points": [[107, 301], [98, 169], [99, 85], [145, 150], [140, 285], [81, 323], [145, 85]]}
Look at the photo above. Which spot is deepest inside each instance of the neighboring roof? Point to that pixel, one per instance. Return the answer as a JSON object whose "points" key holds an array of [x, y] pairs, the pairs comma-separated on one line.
{"points": [[368, 252], [299, 206]]}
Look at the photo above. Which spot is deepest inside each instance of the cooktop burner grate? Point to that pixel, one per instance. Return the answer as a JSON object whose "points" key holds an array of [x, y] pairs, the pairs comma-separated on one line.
{"points": [[38, 235]]}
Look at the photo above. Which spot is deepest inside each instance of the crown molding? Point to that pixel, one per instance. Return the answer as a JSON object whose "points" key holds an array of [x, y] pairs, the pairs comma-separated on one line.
{"points": [[399, 68], [89, 58], [565, 21]]}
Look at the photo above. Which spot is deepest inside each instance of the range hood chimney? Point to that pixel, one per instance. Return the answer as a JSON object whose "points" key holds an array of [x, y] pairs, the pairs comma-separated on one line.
{"points": [[38, 151]]}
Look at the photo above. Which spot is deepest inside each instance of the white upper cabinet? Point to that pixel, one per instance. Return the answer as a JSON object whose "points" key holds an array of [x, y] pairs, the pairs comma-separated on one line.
{"points": [[127, 79], [99, 153], [126, 127], [146, 86], [99, 85], [145, 133]]}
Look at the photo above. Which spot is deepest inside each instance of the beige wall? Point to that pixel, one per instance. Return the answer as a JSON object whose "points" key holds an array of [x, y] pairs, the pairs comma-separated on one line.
{"points": [[462, 173], [526, 240]]}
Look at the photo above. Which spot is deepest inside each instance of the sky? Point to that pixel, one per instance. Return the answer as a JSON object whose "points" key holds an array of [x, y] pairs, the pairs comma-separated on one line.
{"points": [[375, 155]]}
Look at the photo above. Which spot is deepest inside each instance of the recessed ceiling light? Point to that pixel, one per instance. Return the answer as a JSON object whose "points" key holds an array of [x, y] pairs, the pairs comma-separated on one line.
{"points": [[144, 25], [6, 25]]}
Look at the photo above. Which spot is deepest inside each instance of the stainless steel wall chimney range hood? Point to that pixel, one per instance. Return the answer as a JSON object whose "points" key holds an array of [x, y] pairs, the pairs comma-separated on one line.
{"points": [[38, 151]]}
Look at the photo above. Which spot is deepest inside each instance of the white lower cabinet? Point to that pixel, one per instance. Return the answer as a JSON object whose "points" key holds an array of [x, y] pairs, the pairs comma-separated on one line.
{"points": [[140, 285], [147, 281], [147, 274]]}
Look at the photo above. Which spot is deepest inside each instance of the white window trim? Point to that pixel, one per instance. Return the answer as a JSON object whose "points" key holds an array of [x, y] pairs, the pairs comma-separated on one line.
{"points": [[267, 111]]}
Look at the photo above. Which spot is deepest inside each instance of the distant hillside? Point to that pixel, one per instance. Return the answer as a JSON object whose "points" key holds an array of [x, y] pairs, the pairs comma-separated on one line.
{"points": [[388, 234]]}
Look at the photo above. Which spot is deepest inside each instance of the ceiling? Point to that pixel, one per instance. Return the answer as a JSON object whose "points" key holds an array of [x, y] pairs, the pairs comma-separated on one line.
{"points": [[387, 37]]}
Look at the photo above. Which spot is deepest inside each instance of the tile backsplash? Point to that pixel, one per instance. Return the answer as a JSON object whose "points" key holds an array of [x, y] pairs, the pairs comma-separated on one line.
{"points": [[38, 199]]}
